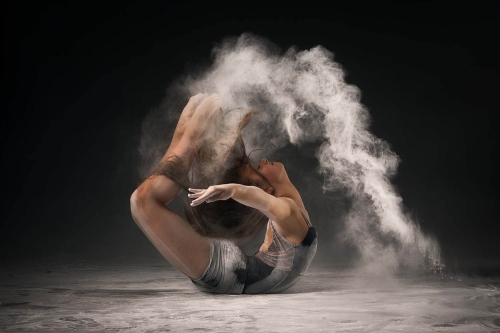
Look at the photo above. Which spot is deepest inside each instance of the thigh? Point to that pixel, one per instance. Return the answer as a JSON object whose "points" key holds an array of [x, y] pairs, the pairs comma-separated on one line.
{"points": [[173, 237]]}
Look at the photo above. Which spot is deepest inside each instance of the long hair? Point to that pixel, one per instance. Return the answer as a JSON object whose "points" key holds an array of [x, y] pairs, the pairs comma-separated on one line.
{"points": [[217, 161]]}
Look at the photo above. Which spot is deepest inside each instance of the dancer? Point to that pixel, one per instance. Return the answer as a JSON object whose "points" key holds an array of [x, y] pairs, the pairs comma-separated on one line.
{"points": [[232, 198]]}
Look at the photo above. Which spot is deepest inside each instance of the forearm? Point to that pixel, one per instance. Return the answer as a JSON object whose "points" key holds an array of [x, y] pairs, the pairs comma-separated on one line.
{"points": [[161, 188], [276, 209], [252, 196]]}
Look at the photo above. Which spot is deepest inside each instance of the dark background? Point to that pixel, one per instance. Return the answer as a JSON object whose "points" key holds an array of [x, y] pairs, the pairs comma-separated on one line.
{"points": [[79, 79]]}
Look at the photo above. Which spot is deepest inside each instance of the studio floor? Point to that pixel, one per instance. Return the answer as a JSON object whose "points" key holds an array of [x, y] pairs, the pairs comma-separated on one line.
{"points": [[154, 297]]}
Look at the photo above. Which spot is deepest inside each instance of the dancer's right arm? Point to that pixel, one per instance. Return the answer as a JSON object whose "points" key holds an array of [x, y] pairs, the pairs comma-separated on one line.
{"points": [[275, 208]]}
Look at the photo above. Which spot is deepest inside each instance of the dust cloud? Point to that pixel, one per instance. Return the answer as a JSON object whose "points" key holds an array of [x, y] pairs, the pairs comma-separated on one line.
{"points": [[303, 100]]}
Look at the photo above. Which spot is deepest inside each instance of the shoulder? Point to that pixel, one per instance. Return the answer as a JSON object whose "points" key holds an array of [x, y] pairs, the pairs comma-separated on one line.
{"points": [[278, 208], [284, 208], [298, 207], [294, 226]]}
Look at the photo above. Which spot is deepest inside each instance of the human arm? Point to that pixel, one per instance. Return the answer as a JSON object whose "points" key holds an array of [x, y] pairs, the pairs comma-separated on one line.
{"points": [[275, 208], [193, 122]]}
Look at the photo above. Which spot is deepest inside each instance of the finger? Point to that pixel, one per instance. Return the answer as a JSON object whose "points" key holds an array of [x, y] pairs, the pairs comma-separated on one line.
{"points": [[199, 200], [200, 95], [214, 101], [196, 190], [205, 197], [213, 198], [193, 104], [199, 98], [195, 195], [193, 204], [217, 101]]}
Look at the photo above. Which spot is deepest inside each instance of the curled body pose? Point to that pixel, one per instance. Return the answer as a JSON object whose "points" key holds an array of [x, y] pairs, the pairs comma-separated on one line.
{"points": [[251, 196]]}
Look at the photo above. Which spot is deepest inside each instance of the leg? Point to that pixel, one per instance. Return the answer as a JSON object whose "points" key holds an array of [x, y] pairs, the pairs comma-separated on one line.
{"points": [[227, 272], [171, 234]]}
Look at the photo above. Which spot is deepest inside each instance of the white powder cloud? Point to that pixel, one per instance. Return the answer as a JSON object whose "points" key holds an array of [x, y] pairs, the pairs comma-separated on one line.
{"points": [[303, 98]]}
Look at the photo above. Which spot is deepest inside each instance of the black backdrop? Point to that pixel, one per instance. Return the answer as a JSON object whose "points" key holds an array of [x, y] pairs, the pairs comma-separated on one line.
{"points": [[79, 79]]}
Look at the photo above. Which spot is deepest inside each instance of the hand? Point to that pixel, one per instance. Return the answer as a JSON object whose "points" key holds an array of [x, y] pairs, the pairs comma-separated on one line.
{"points": [[203, 116], [212, 193]]}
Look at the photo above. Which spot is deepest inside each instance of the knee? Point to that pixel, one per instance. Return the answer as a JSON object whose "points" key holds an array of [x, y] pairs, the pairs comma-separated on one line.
{"points": [[133, 198], [140, 195], [135, 204]]}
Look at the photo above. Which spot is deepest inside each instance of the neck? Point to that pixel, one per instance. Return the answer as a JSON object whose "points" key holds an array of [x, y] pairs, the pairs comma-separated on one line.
{"points": [[289, 191]]}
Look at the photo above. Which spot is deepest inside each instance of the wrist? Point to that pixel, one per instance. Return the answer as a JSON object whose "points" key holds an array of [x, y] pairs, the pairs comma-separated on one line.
{"points": [[236, 190]]}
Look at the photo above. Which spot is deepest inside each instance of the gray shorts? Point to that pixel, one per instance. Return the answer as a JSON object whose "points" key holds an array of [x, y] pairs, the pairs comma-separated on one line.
{"points": [[230, 271]]}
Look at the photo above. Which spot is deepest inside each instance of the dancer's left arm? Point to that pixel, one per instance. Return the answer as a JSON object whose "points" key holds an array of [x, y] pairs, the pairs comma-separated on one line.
{"points": [[186, 115], [194, 121]]}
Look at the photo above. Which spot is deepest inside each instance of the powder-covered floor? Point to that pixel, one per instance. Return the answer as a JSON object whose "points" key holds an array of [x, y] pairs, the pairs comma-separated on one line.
{"points": [[154, 297]]}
